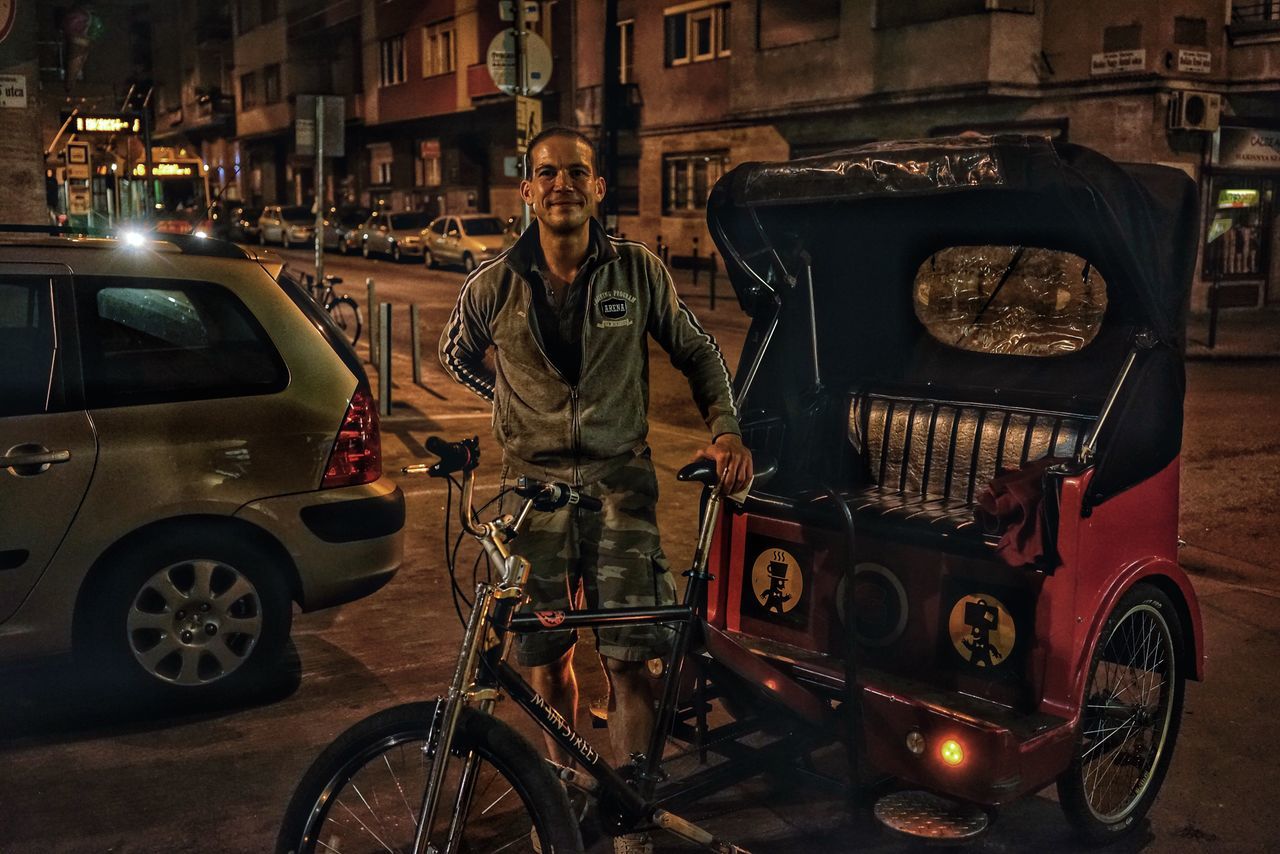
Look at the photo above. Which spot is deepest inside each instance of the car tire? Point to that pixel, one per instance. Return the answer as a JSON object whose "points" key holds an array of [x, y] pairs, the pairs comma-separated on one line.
{"points": [[395, 252], [364, 249], [262, 238], [429, 259], [468, 263], [284, 240], [189, 615]]}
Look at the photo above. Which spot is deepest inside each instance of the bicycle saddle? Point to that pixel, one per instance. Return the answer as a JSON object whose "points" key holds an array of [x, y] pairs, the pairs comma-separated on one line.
{"points": [[704, 471]]}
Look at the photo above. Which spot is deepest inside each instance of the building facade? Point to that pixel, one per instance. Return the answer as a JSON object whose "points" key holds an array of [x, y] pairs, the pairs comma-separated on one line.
{"points": [[1187, 83]]}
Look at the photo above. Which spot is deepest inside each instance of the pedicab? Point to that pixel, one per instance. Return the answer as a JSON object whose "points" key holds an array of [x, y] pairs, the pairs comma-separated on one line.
{"points": [[966, 357]]}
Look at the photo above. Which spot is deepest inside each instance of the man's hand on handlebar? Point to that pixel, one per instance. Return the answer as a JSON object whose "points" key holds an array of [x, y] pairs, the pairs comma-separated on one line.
{"points": [[732, 459]]}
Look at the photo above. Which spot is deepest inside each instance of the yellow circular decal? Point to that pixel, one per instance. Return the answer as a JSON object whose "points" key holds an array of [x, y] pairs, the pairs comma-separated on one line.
{"points": [[982, 630], [777, 581]]}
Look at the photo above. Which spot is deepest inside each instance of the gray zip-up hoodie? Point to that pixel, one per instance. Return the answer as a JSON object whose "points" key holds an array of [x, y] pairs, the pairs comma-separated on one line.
{"points": [[546, 426]]}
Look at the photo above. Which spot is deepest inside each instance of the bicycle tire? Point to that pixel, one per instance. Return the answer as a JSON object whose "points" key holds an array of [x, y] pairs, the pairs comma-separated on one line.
{"points": [[346, 314], [1103, 797], [381, 762]]}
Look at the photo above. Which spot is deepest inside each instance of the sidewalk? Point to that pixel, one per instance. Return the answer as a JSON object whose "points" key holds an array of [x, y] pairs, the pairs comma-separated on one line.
{"points": [[1241, 334]]}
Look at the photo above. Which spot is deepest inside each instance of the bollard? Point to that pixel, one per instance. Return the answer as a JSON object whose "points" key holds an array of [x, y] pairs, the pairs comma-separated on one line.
{"points": [[415, 343], [712, 283], [695, 262], [371, 312], [1213, 314], [384, 359]]}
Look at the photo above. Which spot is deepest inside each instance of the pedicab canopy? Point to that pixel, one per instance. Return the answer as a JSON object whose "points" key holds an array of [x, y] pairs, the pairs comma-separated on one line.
{"points": [[999, 269]]}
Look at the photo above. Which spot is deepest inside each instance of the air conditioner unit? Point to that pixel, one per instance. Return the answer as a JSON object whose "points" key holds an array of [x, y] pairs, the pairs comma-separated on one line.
{"points": [[1194, 111]]}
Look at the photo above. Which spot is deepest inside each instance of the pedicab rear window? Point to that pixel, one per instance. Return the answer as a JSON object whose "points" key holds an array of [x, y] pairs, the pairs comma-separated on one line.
{"points": [[1011, 300]]}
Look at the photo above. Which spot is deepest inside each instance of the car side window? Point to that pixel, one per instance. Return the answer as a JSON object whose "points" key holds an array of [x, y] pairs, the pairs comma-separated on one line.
{"points": [[153, 340], [26, 344], [453, 227], [438, 226]]}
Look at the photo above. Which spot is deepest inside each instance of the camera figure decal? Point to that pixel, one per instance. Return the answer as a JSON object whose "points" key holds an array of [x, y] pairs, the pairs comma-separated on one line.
{"points": [[982, 630]]}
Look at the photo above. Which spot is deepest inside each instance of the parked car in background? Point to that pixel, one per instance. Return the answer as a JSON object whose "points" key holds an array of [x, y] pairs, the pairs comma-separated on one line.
{"points": [[393, 234], [342, 228], [198, 451], [465, 240], [244, 224], [286, 225]]}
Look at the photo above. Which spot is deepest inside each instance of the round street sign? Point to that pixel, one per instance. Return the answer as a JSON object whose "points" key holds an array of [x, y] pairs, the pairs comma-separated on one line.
{"points": [[502, 62], [8, 12]]}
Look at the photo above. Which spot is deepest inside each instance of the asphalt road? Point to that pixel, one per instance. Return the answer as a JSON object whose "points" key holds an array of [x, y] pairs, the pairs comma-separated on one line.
{"points": [[84, 773]]}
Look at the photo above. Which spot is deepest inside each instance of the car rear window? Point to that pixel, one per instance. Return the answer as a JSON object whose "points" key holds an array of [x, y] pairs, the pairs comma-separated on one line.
{"points": [[156, 340], [482, 227], [409, 220], [26, 344], [1014, 300], [298, 214]]}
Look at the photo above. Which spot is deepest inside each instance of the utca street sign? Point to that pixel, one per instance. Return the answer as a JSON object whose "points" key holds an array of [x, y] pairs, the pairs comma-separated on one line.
{"points": [[501, 60]]}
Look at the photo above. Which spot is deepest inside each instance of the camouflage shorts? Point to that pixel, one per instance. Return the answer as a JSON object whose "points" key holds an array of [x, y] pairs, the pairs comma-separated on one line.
{"points": [[608, 559]]}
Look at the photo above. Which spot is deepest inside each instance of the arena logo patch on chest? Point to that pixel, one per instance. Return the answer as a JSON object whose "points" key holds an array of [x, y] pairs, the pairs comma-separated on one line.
{"points": [[613, 308]]}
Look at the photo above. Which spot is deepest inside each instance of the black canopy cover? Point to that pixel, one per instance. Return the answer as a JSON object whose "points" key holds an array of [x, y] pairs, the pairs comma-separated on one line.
{"points": [[866, 218]]}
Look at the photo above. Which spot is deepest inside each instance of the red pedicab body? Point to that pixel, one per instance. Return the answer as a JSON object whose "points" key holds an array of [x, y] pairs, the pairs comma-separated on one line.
{"points": [[974, 673]]}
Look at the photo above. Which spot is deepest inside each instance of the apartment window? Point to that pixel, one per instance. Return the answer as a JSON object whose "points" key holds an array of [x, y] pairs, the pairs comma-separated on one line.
{"points": [[426, 166], [271, 84], [627, 52], [248, 90], [696, 32], [627, 189], [391, 61], [438, 50], [785, 22], [270, 10], [1255, 11], [380, 160], [247, 15], [687, 179], [1126, 37], [1191, 32]]}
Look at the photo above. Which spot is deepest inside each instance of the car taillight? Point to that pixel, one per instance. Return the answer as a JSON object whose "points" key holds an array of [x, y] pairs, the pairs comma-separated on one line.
{"points": [[357, 454]]}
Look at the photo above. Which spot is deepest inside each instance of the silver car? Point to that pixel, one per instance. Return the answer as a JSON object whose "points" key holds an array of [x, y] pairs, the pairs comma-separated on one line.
{"points": [[393, 234], [466, 240], [187, 448], [289, 226]]}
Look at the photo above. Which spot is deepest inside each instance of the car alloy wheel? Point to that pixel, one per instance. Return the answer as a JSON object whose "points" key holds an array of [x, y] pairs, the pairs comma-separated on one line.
{"points": [[468, 263], [194, 622], [429, 259], [395, 252], [364, 249]]}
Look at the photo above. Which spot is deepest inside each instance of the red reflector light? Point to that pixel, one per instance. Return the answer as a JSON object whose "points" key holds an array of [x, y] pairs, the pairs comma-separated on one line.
{"points": [[357, 454]]}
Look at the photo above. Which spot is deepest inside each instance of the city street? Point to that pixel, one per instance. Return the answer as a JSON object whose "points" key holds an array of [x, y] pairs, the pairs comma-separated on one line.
{"points": [[87, 773]]}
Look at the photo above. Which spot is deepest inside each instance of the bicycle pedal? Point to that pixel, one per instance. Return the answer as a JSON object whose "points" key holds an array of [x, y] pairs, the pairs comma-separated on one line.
{"points": [[599, 710]]}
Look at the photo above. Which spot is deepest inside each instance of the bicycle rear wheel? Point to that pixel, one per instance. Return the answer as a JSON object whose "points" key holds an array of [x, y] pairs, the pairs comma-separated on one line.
{"points": [[364, 792], [346, 313]]}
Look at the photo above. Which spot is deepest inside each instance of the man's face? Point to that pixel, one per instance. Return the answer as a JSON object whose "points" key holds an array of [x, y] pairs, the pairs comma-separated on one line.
{"points": [[563, 190]]}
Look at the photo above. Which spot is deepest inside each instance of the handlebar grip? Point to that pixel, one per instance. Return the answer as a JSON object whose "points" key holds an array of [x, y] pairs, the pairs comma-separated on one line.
{"points": [[454, 456], [586, 502]]}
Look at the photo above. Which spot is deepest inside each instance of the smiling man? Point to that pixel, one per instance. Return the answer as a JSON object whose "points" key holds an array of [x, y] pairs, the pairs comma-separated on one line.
{"points": [[568, 311]]}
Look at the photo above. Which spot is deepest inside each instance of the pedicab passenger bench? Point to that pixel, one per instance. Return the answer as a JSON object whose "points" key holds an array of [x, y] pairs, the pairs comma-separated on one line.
{"points": [[945, 633]]}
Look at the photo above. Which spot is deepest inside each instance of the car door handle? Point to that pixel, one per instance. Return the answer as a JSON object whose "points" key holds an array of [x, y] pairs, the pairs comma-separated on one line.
{"points": [[24, 456]]}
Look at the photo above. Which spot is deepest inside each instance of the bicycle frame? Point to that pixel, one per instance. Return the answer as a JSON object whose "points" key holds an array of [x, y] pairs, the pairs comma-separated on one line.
{"points": [[482, 674]]}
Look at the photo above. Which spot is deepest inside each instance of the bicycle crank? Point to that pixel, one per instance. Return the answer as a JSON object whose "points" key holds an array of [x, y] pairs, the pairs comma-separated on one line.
{"points": [[690, 832]]}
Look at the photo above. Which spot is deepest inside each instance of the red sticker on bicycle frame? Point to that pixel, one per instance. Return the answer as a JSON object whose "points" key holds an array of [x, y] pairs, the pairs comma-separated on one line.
{"points": [[550, 619]]}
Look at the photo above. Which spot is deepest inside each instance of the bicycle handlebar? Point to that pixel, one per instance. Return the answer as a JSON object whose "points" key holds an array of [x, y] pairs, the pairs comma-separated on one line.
{"points": [[553, 496]]}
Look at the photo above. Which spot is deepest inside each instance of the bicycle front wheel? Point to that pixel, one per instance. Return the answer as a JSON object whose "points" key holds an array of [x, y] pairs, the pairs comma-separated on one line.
{"points": [[364, 793], [346, 313]]}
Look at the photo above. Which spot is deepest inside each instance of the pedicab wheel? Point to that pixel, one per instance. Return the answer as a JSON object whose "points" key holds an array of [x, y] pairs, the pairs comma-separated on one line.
{"points": [[363, 793], [924, 815], [1129, 724]]}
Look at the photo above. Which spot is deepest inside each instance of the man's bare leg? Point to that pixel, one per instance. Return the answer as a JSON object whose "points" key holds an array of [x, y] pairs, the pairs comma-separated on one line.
{"points": [[630, 708], [558, 685]]}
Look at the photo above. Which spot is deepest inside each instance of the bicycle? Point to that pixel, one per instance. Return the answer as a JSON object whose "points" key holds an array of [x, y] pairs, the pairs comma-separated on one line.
{"points": [[383, 784], [344, 310]]}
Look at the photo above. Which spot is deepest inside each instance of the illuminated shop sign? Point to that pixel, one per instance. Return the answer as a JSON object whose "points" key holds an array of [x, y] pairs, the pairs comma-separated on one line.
{"points": [[107, 124], [167, 170], [1238, 198]]}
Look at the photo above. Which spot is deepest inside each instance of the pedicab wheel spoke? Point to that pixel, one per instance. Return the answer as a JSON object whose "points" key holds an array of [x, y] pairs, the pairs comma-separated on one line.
{"points": [[1129, 722]]}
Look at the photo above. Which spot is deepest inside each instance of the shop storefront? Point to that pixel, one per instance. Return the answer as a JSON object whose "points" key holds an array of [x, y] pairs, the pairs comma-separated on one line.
{"points": [[1240, 218]]}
